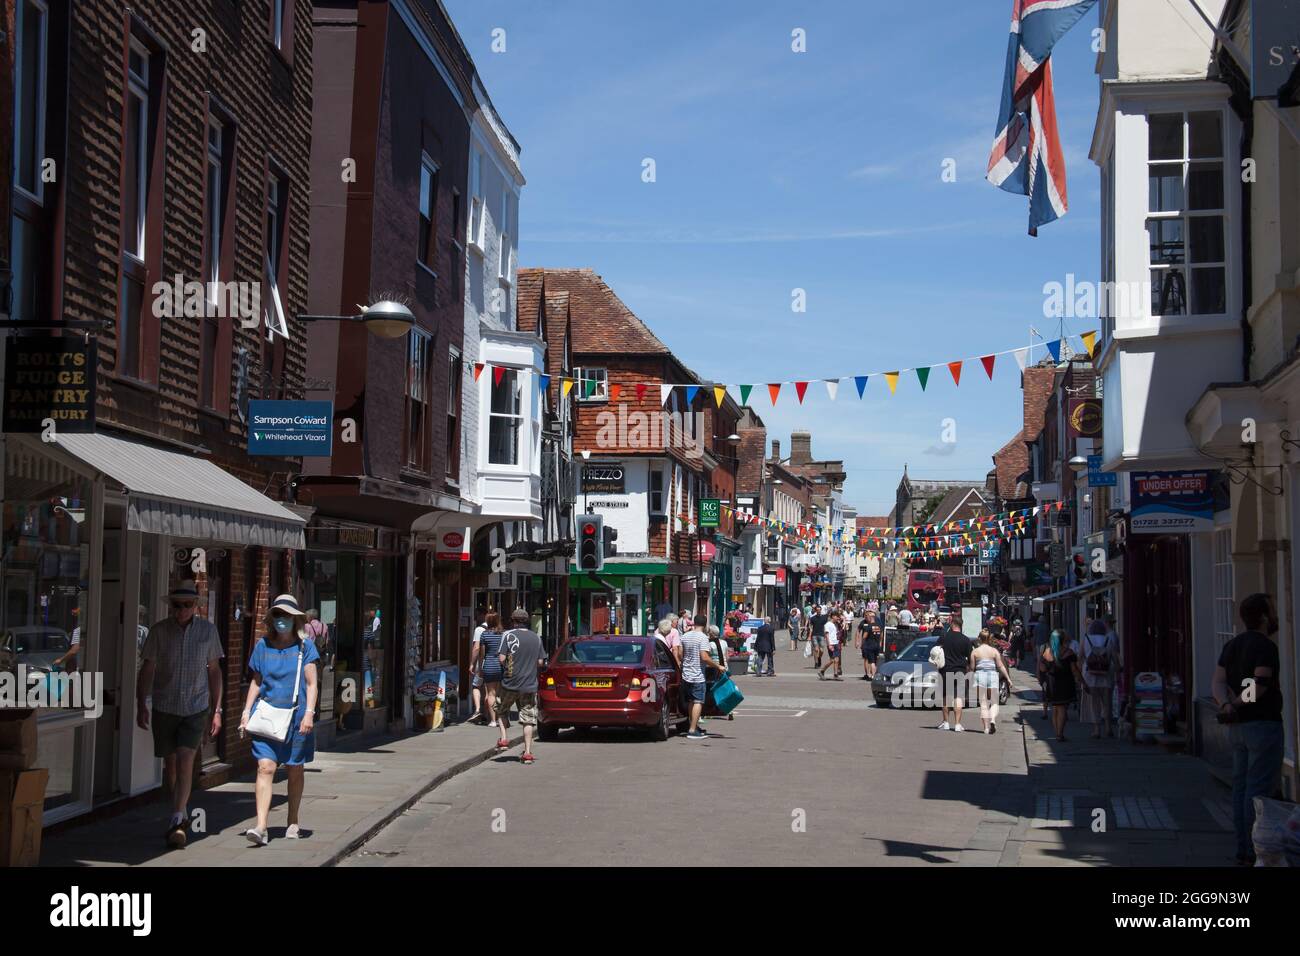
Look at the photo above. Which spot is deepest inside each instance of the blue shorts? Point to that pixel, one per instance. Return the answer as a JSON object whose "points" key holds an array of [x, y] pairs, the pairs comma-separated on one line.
{"points": [[693, 692]]}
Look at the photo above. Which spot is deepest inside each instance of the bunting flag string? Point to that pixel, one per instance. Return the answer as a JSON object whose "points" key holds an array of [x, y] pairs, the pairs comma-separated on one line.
{"points": [[949, 529], [591, 387]]}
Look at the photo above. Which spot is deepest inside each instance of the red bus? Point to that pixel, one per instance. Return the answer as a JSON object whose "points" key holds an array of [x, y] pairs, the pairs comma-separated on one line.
{"points": [[924, 587]]}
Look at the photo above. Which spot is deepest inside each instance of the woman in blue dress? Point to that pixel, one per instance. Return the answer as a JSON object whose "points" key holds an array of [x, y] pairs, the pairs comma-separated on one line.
{"points": [[281, 666], [489, 646]]}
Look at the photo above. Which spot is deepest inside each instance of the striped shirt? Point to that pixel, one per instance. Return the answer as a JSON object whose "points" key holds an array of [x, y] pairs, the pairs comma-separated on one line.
{"points": [[181, 657]]}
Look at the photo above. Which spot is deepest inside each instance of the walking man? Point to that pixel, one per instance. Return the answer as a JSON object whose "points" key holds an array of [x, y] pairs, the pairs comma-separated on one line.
{"points": [[818, 635], [521, 656], [1250, 702], [695, 659], [832, 635], [182, 674], [952, 676], [870, 638], [765, 645]]}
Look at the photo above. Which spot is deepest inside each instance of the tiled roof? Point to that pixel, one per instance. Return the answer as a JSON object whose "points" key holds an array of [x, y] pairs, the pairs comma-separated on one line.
{"points": [[528, 288], [1010, 463], [557, 323], [882, 521], [753, 444], [601, 323], [955, 504]]}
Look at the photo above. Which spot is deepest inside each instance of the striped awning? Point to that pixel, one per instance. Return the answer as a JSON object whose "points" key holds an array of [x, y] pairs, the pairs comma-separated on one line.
{"points": [[183, 496]]}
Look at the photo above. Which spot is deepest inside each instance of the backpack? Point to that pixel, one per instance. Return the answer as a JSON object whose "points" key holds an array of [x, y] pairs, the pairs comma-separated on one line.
{"points": [[1098, 660]]}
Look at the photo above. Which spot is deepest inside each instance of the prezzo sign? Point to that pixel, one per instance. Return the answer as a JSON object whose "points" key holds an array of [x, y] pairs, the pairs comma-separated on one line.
{"points": [[606, 479], [1171, 501]]}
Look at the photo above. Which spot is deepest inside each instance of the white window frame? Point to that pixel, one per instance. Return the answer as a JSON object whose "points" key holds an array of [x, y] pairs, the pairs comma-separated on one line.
{"points": [[418, 390], [477, 208], [657, 470], [429, 169], [514, 375], [1185, 214], [215, 154], [1225, 608], [601, 394], [275, 318], [505, 259], [138, 99], [42, 75]]}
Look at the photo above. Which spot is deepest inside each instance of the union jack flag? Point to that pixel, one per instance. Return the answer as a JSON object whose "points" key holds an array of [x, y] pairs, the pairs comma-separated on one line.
{"points": [[1027, 157]]}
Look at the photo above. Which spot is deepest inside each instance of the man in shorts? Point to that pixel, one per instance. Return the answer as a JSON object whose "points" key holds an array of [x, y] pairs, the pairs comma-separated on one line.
{"points": [[819, 620], [695, 659], [182, 673], [521, 657], [831, 632]]}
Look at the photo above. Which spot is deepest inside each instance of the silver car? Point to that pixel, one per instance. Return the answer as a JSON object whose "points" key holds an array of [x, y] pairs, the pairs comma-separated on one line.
{"points": [[912, 679]]}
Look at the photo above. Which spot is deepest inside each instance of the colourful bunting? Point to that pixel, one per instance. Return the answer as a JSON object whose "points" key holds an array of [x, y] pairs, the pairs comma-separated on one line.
{"points": [[1089, 340], [568, 384], [691, 392], [614, 392], [924, 375], [988, 361], [588, 387], [892, 379], [665, 391], [640, 391], [800, 389], [545, 382], [744, 393], [719, 393], [774, 391], [1022, 357], [1055, 349], [478, 370], [832, 387], [955, 369], [861, 382]]}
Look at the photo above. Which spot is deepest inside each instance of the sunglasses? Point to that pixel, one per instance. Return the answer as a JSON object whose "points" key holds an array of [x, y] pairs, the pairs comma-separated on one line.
{"points": [[182, 605]]}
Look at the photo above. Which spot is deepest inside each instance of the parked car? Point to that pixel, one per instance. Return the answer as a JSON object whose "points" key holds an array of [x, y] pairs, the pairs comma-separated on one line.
{"points": [[912, 679], [37, 647], [612, 681]]}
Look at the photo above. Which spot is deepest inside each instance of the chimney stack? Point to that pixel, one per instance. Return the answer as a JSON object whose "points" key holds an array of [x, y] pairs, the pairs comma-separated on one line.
{"points": [[800, 448], [776, 448]]}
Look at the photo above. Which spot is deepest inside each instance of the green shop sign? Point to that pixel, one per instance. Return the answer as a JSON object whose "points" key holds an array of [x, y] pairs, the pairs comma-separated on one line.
{"points": [[710, 512]]}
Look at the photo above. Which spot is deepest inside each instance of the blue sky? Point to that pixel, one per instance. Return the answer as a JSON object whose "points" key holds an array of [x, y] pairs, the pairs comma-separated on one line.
{"points": [[820, 170]]}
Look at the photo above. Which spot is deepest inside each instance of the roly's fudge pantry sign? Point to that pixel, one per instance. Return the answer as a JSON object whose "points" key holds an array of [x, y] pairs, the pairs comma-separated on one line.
{"points": [[49, 379]]}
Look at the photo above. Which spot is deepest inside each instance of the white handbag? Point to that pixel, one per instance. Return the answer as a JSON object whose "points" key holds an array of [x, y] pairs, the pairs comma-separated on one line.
{"points": [[276, 723], [936, 656]]}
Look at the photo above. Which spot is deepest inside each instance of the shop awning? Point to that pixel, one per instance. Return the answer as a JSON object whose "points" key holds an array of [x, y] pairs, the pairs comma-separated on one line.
{"points": [[1079, 590], [186, 497]]}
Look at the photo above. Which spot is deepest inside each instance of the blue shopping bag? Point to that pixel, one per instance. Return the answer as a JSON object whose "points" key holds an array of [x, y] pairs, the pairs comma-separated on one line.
{"points": [[726, 695]]}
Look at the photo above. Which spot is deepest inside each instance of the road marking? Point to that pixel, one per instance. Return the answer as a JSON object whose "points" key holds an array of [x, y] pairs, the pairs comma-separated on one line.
{"points": [[801, 713]]}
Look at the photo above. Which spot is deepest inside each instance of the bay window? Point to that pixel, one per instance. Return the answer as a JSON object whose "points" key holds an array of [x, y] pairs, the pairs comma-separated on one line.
{"points": [[1186, 223], [506, 417]]}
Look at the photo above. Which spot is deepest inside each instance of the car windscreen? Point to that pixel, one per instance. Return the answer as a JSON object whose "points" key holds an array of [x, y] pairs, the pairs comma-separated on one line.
{"points": [[917, 651], [603, 652]]}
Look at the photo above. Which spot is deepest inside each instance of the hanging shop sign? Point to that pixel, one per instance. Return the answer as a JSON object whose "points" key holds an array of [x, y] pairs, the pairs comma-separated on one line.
{"points": [[451, 546], [738, 576], [1098, 478], [707, 550], [1084, 417], [49, 381], [1171, 502], [603, 479], [710, 512], [291, 429]]}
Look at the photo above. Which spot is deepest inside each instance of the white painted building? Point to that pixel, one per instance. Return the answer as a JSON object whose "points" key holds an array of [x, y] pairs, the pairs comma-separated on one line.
{"points": [[501, 431]]}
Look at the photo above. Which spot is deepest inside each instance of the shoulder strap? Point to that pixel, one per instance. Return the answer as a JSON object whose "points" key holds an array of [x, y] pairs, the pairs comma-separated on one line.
{"points": [[297, 677]]}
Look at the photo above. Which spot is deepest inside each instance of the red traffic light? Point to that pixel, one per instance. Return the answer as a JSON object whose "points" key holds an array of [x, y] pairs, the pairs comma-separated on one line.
{"points": [[589, 529]]}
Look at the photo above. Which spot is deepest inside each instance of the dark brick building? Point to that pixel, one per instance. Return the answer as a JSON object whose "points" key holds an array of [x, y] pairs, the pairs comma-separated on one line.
{"points": [[164, 139]]}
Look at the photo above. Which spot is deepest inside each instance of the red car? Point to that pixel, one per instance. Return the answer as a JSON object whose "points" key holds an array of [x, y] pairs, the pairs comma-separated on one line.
{"points": [[612, 681]]}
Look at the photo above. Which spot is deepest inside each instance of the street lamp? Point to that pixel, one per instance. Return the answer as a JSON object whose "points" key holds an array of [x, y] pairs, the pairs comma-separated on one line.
{"points": [[385, 320], [1078, 463]]}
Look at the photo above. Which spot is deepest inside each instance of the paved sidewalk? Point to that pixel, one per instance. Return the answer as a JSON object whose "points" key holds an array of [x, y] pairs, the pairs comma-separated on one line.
{"points": [[351, 792], [1109, 802]]}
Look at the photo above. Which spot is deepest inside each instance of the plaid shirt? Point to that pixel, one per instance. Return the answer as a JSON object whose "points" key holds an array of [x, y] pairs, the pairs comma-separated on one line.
{"points": [[181, 657]]}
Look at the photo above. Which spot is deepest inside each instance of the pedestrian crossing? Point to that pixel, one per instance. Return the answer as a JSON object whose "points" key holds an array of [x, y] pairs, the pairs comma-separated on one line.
{"points": [[1067, 809]]}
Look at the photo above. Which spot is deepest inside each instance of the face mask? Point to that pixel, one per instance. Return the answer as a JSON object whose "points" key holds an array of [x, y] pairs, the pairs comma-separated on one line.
{"points": [[283, 625]]}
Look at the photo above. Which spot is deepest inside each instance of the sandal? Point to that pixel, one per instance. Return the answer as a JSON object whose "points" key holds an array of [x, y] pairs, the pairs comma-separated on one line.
{"points": [[528, 758], [503, 744]]}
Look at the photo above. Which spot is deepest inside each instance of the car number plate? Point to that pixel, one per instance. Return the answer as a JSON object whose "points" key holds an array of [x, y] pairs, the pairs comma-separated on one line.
{"points": [[593, 682]]}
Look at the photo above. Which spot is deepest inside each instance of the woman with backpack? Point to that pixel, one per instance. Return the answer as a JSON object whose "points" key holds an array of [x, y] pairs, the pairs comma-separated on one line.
{"points": [[1100, 654], [1058, 670]]}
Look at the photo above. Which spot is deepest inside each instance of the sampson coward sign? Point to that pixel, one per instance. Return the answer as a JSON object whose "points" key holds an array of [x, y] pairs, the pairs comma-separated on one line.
{"points": [[49, 378]]}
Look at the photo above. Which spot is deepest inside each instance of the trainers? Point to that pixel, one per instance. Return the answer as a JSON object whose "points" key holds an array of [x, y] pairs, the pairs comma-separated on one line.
{"points": [[696, 735], [944, 725], [175, 836], [293, 832], [257, 837], [993, 728], [960, 729]]}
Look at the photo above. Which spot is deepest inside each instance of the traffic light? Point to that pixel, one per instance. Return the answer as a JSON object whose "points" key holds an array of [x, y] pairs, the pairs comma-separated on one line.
{"points": [[1080, 564], [591, 542], [609, 536]]}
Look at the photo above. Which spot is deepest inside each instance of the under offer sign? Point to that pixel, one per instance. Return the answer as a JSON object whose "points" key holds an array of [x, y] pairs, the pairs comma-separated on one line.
{"points": [[451, 546], [49, 378], [1171, 501]]}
